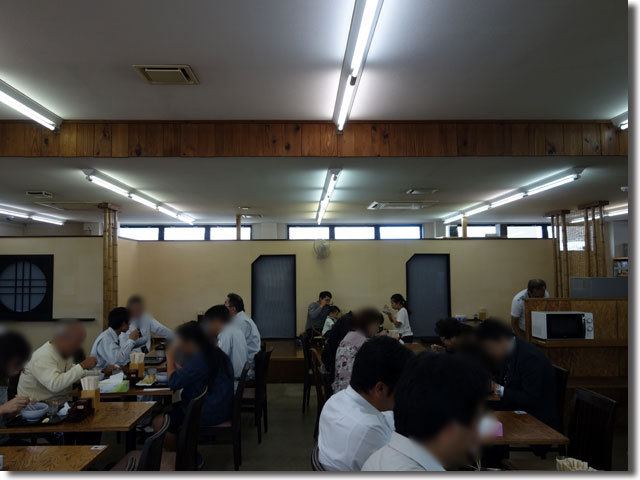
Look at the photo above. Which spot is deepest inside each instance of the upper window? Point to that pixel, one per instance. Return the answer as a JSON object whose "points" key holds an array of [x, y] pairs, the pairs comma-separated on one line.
{"points": [[139, 233], [476, 231], [355, 233], [391, 233], [229, 233], [308, 233], [184, 233], [524, 231]]}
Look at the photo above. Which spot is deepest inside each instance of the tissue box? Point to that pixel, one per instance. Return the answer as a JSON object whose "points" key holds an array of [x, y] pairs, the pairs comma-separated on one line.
{"points": [[114, 387]]}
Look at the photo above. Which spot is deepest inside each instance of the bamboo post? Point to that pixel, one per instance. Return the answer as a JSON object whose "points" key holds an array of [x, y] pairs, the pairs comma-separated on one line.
{"points": [[105, 265], [115, 259], [560, 277], [238, 227], [587, 242], [603, 261], [464, 227], [556, 257], [565, 258]]}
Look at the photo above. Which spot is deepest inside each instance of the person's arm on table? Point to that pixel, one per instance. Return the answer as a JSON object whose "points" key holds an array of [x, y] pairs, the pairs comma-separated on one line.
{"points": [[46, 372]]}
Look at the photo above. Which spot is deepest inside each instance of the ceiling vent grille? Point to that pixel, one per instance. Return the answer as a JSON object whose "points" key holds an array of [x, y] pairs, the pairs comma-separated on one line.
{"points": [[38, 194], [167, 74], [400, 205]]}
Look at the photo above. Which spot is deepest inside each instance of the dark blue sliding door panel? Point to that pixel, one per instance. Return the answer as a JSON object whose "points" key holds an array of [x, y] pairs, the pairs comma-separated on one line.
{"points": [[428, 292], [273, 295]]}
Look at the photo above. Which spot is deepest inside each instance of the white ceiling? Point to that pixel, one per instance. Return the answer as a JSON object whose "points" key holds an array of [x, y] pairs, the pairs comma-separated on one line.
{"points": [[281, 59], [288, 189]]}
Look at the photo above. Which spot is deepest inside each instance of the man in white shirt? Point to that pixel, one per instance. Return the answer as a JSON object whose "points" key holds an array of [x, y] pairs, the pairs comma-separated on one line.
{"points": [[145, 323], [438, 405], [229, 338], [50, 373], [357, 421], [331, 319], [536, 288], [108, 348], [249, 329]]}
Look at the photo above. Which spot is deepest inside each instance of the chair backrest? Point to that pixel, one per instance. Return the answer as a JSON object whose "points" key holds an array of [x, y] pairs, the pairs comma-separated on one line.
{"points": [[237, 398], [151, 455], [262, 360], [316, 466], [562, 378], [316, 363], [187, 445], [306, 351], [591, 428]]}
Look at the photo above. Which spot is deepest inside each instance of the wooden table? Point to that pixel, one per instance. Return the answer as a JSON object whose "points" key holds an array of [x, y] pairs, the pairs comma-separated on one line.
{"points": [[133, 391], [108, 417], [524, 429], [68, 458]]}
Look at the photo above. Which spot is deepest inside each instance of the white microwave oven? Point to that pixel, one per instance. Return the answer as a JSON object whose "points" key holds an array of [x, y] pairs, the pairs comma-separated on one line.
{"points": [[562, 325]]}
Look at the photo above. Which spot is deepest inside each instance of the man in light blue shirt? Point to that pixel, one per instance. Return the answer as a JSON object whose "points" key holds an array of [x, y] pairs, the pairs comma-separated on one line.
{"points": [[228, 337], [242, 322], [145, 323], [109, 349]]}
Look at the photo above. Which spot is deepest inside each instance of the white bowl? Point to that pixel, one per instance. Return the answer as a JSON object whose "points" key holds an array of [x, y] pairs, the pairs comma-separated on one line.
{"points": [[34, 412], [162, 377]]}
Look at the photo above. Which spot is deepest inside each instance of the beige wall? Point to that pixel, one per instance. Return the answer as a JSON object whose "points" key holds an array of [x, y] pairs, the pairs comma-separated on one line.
{"points": [[77, 291], [179, 279]]}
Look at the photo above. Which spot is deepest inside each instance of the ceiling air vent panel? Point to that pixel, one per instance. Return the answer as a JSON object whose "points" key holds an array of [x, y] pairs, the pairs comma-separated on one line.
{"points": [[400, 205], [167, 74]]}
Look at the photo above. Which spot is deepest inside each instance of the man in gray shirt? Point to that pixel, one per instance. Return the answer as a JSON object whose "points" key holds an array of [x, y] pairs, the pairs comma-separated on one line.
{"points": [[318, 311]]}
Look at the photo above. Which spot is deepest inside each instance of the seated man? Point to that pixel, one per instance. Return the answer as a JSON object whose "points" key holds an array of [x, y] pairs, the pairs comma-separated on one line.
{"points": [[450, 332], [242, 322], [536, 288], [331, 319], [525, 378], [357, 421], [143, 321], [110, 351], [51, 372], [438, 405], [229, 339], [317, 311]]}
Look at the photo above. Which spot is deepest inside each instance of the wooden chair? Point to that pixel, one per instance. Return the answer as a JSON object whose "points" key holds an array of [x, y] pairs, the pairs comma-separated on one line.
{"points": [[562, 378], [308, 374], [255, 399], [150, 458], [316, 363], [316, 466], [229, 432], [591, 426], [187, 443]]}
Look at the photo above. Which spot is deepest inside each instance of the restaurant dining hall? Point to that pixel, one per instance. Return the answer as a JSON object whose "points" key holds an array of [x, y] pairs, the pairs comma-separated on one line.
{"points": [[301, 236]]}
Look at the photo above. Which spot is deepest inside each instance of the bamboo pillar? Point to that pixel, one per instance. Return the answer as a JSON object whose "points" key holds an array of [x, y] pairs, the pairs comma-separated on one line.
{"points": [[587, 242], [238, 227], [565, 257], [109, 260], [464, 227], [556, 256], [602, 264], [105, 269], [114, 259]]}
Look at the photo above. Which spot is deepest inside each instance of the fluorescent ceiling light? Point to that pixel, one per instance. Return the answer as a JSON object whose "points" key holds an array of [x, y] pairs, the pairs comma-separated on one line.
{"points": [[329, 186], [12, 213], [556, 183], [118, 187], [621, 121], [482, 208], [363, 24], [143, 201], [27, 107], [453, 219], [614, 213], [509, 199], [54, 221]]}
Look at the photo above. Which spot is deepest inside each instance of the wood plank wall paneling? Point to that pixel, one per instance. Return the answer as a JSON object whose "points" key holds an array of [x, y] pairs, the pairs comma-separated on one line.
{"points": [[359, 139]]}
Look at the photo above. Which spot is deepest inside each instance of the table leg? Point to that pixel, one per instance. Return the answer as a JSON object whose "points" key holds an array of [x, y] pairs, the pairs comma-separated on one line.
{"points": [[130, 440]]}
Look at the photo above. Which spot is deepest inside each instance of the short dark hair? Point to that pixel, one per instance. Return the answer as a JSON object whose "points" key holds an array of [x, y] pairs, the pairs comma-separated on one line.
{"points": [[325, 293], [334, 309], [448, 328], [536, 284], [135, 300], [492, 329], [13, 346], [365, 317], [118, 316], [236, 302], [380, 359], [435, 390], [218, 312]]}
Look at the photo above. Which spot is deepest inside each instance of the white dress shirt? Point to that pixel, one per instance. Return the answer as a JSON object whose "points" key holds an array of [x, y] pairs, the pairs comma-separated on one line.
{"points": [[251, 335], [403, 317], [231, 341], [328, 324], [351, 429], [148, 326], [109, 349], [517, 306], [400, 455]]}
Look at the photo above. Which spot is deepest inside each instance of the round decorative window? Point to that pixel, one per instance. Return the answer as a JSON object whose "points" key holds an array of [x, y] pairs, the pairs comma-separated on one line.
{"points": [[23, 286]]}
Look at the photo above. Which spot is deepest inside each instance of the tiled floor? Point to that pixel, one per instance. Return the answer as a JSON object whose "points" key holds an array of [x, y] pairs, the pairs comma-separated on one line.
{"points": [[288, 444]]}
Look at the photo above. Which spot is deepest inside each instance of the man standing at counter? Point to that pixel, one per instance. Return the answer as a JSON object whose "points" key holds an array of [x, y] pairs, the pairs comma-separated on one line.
{"points": [[145, 323], [318, 311], [536, 288]]}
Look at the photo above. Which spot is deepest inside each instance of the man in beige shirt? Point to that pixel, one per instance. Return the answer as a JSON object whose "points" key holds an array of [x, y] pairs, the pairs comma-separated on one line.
{"points": [[50, 373]]}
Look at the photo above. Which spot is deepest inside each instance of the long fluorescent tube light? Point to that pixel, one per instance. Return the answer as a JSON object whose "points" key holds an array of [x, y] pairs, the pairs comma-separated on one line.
{"points": [[11, 213], [480, 209], [554, 184], [54, 221], [31, 216], [506, 200], [329, 186], [455, 218], [28, 107], [120, 188], [363, 23], [621, 121], [615, 213]]}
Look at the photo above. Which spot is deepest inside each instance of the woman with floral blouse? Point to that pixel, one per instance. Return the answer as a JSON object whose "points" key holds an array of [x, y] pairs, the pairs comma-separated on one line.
{"points": [[365, 325]]}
